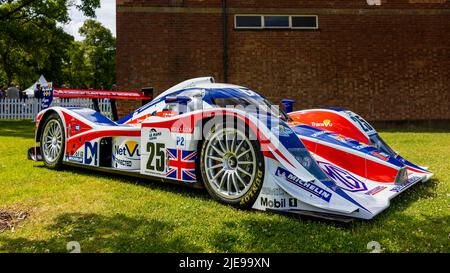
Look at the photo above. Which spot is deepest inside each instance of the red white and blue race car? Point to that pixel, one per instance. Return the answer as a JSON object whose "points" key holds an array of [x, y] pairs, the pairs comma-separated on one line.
{"points": [[232, 141]]}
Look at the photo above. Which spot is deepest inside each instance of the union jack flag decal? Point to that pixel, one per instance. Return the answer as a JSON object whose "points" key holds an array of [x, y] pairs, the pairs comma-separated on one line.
{"points": [[181, 164]]}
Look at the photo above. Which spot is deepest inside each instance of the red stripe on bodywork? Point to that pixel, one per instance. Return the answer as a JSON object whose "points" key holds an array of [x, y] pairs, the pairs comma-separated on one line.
{"points": [[337, 123], [353, 163]]}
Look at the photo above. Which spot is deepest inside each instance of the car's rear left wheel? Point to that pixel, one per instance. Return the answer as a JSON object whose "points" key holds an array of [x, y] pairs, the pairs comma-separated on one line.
{"points": [[53, 142]]}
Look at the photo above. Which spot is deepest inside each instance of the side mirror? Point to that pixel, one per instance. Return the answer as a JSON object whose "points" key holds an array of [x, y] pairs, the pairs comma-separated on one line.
{"points": [[182, 102], [288, 105]]}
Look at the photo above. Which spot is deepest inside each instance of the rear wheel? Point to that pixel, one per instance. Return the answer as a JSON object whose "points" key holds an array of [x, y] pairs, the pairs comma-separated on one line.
{"points": [[53, 142], [232, 167]]}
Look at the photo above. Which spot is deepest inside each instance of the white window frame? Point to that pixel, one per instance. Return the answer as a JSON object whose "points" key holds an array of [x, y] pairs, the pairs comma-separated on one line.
{"points": [[263, 26]]}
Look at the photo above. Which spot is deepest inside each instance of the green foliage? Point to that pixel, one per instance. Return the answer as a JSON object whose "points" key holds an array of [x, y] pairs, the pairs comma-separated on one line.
{"points": [[11, 10], [32, 41], [110, 213], [92, 61]]}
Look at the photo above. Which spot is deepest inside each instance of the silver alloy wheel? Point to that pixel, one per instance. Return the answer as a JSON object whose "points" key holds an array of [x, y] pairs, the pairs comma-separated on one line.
{"points": [[230, 163], [52, 141]]}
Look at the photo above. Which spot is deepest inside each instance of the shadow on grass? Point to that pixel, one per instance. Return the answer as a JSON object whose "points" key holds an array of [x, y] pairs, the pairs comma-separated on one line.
{"points": [[97, 233], [406, 234], [395, 230], [400, 203], [150, 183], [17, 128]]}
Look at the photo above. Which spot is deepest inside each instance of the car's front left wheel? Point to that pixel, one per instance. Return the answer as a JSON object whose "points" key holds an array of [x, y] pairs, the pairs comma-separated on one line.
{"points": [[232, 166]]}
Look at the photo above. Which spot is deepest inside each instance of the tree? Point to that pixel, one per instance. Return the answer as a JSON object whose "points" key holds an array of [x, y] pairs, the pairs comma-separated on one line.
{"points": [[56, 9], [31, 42], [91, 62]]}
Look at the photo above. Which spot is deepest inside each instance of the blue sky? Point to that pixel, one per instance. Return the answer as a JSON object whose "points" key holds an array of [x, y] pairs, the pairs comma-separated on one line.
{"points": [[106, 14]]}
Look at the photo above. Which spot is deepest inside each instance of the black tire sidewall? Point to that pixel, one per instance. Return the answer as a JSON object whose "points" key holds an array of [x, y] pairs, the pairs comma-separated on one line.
{"points": [[247, 200], [58, 163]]}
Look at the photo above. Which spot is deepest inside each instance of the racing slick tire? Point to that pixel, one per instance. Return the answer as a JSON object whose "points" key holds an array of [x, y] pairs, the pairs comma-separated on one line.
{"points": [[232, 166], [53, 142]]}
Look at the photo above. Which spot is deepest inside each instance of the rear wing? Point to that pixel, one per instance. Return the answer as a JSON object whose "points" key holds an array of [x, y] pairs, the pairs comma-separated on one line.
{"points": [[102, 94], [145, 95]]}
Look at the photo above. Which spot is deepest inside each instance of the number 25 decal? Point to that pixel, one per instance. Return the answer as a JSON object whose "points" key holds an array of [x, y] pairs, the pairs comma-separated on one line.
{"points": [[156, 150]]}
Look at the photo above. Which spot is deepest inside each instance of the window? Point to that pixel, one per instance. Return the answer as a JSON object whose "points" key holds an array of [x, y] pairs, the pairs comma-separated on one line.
{"points": [[305, 22], [247, 21], [276, 21]]}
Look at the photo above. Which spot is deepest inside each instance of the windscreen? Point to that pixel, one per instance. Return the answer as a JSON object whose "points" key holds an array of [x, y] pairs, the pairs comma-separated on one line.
{"points": [[246, 100]]}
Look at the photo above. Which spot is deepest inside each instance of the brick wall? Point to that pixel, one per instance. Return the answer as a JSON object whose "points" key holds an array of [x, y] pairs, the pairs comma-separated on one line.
{"points": [[388, 62]]}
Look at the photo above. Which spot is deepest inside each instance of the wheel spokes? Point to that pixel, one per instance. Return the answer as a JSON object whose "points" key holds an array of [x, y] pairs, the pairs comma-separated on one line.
{"points": [[228, 174], [243, 153], [216, 158], [244, 171]]}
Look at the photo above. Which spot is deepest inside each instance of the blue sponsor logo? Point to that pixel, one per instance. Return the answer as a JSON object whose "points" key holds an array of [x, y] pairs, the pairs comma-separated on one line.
{"points": [[47, 96], [342, 178], [90, 153], [306, 185], [376, 190], [282, 131], [402, 187]]}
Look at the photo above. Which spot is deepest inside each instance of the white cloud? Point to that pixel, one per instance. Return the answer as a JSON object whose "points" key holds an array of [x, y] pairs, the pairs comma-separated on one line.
{"points": [[106, 14]]}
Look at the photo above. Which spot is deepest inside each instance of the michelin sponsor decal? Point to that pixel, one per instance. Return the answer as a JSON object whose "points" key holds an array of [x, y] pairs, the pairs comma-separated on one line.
{"points": [[306, 185], [77, 157]]}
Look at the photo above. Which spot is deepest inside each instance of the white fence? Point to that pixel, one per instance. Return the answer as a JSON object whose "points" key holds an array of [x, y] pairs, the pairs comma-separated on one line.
{"points": [[28, 108]]}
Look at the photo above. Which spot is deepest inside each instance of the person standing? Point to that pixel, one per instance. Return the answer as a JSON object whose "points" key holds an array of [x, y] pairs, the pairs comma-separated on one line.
{"points": [[38, 91], [12, 92]]}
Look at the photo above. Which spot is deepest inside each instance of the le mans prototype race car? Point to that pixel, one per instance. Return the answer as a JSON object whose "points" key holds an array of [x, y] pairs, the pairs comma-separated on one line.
{"points": [[245, 151]]}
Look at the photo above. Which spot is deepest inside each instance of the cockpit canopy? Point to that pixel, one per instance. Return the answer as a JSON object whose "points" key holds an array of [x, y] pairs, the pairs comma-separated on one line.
{"points": [[206, 97]]}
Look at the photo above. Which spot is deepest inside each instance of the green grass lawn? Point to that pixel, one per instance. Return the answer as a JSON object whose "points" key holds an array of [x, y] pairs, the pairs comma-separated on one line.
{"points": [[107, 213]]}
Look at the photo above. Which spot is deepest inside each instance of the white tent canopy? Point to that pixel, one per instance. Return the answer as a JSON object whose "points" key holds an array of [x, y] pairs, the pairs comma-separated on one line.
{"points": [[30, 90]]}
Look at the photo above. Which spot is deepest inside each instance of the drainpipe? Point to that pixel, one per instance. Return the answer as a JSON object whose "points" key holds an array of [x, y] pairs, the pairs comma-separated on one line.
{"points": [[225, 40]]}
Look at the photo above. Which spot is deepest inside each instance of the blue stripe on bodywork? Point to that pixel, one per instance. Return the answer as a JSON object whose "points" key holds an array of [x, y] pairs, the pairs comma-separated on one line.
{"points": [[92, 116]]}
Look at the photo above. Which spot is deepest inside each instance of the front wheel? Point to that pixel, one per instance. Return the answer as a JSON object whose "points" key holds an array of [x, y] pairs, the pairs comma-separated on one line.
{"points": [[53, 142], [232, 167]]}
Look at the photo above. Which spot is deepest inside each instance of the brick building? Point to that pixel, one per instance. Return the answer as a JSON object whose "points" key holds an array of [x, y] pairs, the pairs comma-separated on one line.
{"points": [[388, 60]]}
